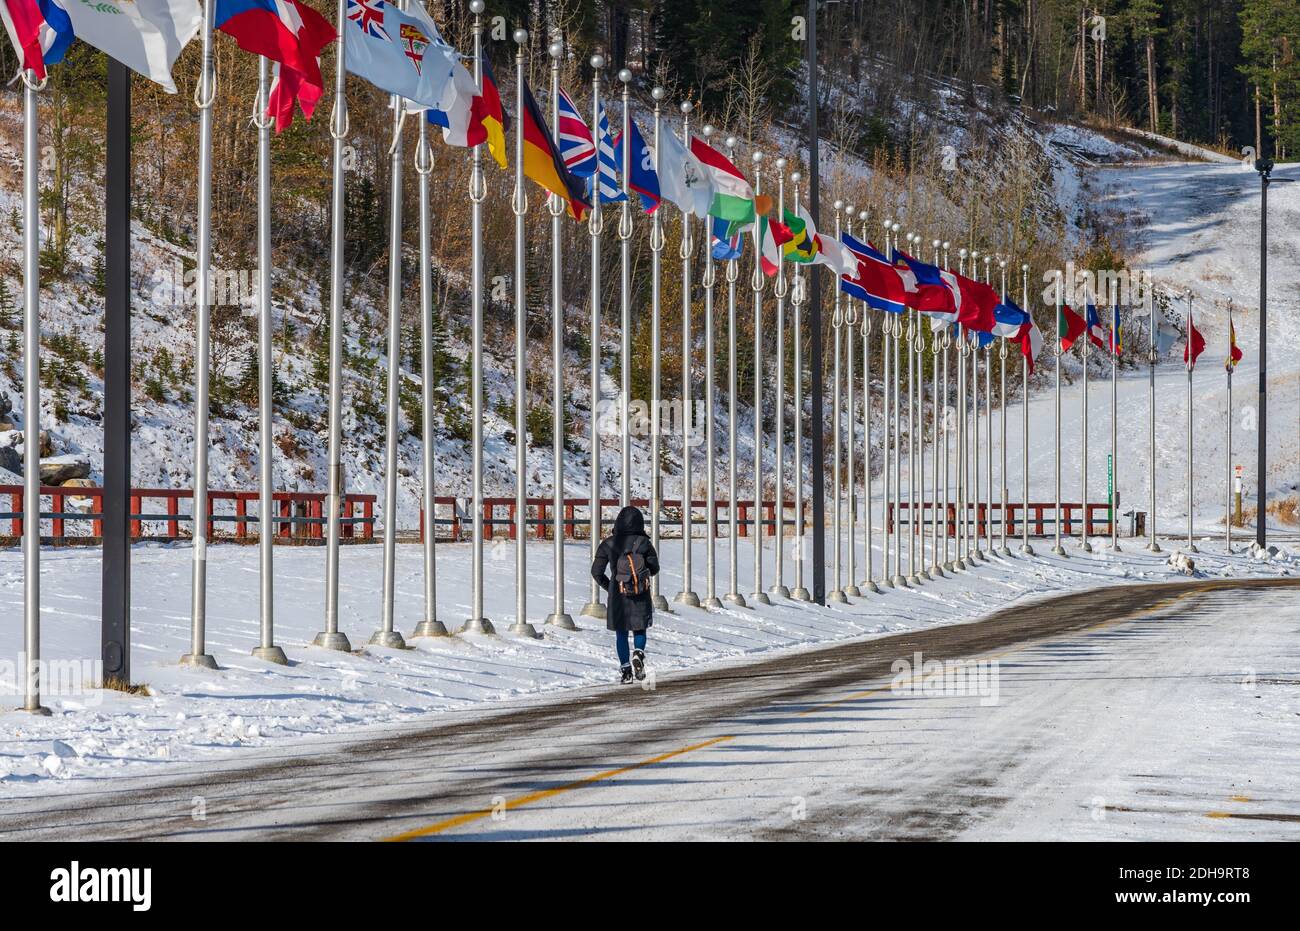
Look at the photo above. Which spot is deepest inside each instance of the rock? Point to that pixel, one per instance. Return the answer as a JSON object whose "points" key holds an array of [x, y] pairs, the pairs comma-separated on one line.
{"points": [[14, 439], [59, 469], [1181, 562], [10, 460], [6, 405], [83, 503], [6, 425]]}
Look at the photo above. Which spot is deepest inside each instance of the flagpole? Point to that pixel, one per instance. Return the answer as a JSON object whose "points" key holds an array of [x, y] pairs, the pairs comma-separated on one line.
{"points": [[1152, 351], [1058, 549], [205, 93], [898, 579], [733, 594], [1191, 363], [779, 289], [888, 512], [836, 594], [912, 577], [266, 648], [851, 482], [963, 531], [945, 343], [1227, 514], [758, 596], [988, 430], [1004, 550], [32, 398], [559, 617], [687, 595], [1025, 548], [1114, 419], [625, 297], [1083, 404], [386, 636], [476, 622], [656, 350], [936, 570], [595, 225], [869, 579], [797, 298], [977, 552]]}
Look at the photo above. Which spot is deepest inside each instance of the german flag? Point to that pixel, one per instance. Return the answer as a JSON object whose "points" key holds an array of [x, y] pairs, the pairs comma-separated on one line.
{"points": [[492, 116], [542, 160]]}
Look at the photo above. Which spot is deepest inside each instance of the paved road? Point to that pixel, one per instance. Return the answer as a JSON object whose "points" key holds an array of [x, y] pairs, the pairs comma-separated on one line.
{"points": [[1133, 711]]}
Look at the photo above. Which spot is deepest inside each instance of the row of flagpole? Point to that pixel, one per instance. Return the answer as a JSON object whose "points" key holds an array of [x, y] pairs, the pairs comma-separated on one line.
{"points": [[898, 335]]}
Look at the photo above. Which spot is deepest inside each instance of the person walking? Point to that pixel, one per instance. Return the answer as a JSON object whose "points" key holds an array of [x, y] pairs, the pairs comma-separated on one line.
{"points": [[624, 563]]}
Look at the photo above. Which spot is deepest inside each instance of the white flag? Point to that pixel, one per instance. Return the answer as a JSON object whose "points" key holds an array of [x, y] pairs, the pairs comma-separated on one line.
{"points": [[144, 35], [682, 179]]}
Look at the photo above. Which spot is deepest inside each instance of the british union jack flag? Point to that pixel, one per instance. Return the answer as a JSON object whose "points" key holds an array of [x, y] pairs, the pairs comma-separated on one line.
{"points": [[369, 16]]}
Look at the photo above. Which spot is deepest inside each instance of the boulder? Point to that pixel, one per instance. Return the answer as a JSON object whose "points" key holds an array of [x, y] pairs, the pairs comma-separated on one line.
{"points": [[14, 439], [58, 469], [6, 425], [9, 459], [83, 503], [1181, 562]]}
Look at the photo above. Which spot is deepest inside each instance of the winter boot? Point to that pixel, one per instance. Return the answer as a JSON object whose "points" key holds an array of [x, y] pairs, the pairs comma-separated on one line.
{"points": [[627, 675], [638, 664]]}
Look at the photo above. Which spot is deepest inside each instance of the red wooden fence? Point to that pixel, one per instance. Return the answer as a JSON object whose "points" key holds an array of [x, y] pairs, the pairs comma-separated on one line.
{"points": [[984, 514]]}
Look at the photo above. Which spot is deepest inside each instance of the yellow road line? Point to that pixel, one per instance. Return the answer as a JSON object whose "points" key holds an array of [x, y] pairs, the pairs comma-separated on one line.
{"points": [[471, 816]]}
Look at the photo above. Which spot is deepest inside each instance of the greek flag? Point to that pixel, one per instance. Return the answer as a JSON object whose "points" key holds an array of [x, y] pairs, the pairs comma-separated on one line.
{"points": [[610, 192]]}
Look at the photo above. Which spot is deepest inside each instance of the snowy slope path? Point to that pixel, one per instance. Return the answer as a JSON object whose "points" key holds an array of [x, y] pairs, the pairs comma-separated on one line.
{"points": [[1122, 712]]}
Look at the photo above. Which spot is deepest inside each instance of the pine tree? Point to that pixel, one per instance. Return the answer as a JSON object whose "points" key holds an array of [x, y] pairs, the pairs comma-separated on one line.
{"points": [[8, 318]]}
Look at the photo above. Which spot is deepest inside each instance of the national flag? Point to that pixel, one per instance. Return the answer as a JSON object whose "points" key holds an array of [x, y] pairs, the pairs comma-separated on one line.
{"points": [[575, 139], [495, 120], [726, 242], [802, 245], [606, 178], [459, 113], [642, 176], [976, 303], [1234, 351], [145, 35], [773, 235], [733, 196], [396, 52], [40, 31], [1096, 335], [288, 33], [682, 179], [878, 281], [838, 256], [932, 293], [1008, 320], [1193, 346], [1031, 341], [1069, 326], [980, 338], [1116, 334], [542, 160]]}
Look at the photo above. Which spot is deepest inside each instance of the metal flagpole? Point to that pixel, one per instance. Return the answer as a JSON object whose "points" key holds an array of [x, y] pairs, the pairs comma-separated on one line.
{"points": [[625, 299], [519, 206], [988, 431], [555, 206], [780, 289], [1058, 549], [595, 225], [1153, 329], [836, 594], [936, 570], [913, 578], [869, 577], [1003, 550], [945, 344], [1227, 514], [687, 595], [963, 538], [266, 648], [386, 635], [429, 625], [656, 350], [711, 599], [977, 552], [32, 395], [1114, 419], [205, 93], [733, 594], [476, 622], [797, 298], [851, 481], [758, 596], [1025, 548], [888, 512], [898, 580], [1083, 465], [1191, 417]]}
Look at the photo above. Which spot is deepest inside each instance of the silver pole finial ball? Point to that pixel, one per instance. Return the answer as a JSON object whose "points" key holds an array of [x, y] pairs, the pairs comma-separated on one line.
{"points": [[757, 157], [895, 228], [862, 215], [888, 224], [796, 177], [1002, 263], [731, 142], [945, 244], [839, 205], [658, 93], [707, 130], [556, 49], [521, 36], [687, 106], [624, 75], [1025, 267], [597, 61], [781, 163], [974, 253], [477, 7], [963, 253], [935, 243]]}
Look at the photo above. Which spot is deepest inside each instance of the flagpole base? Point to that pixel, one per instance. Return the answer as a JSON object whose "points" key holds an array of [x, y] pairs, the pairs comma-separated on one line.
{"points": [[914, 581], [1085, 546], [1154, 548], [690, 599], [713, 601], [1060, 551], [39, 710], [271, 654], [837, 597], [523, 629], [593, 609], [560, 621], [898, 582], [1004, 551], [1191, 548], [661, 603], [780, 591], [852, 591], [430, 628], [199, 661], [760, 598], [332, 640], [936, 571], [801, 594], [387, 638], [870, 588], [478, 625], [1026, 549]]}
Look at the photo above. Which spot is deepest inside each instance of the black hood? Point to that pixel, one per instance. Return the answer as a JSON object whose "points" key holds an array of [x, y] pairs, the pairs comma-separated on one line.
{"points": [[629, 521]]}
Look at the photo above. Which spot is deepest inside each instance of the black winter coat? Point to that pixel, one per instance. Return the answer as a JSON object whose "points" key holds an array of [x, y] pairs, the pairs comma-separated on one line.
{"points": [[625, 612]]}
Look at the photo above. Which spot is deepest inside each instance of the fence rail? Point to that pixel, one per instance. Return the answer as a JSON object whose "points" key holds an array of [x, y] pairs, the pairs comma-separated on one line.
{"points": [[1042, 515]]}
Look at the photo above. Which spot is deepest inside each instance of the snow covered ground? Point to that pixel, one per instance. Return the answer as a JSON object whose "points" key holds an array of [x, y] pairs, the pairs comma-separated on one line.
{"points": [[254, 707]]}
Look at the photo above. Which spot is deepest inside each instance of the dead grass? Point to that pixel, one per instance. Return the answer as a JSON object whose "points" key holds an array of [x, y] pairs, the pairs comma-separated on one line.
{"points": [[118, 684]]}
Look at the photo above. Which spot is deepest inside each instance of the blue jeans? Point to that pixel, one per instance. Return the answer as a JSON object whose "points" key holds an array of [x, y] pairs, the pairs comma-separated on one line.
{"points": [[620, 643]]}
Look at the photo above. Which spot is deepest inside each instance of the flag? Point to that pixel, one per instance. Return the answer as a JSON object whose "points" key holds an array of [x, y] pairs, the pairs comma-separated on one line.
{"points": [[459, 113], [145, 35], [1069, 327], [773, 236], [878, 281], [40, 31], [396, 52], [1234, 351], [682, 179], [931, 293], [733, 197], [606, 177], [1116, 336], [980, 338], [1194, 345], [288, 33], [575, 139], [1031, 341], [976, 303], [726, 242], [642, 176], [1096, 335], [495, 120], [802, 245], [836, 256], [542, 160], [1008, 320]]}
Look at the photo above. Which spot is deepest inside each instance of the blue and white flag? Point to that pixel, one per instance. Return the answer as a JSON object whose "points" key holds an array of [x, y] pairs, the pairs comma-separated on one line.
{"points": [[1008, 319], [610, 192], [642, 178], [725, 247], [397, 53]]}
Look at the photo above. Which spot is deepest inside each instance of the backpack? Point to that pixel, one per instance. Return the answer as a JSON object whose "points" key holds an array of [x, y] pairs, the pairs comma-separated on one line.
{"points": [[630, 573]]}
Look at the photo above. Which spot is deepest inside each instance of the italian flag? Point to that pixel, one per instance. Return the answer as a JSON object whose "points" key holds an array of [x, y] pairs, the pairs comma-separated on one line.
{"points": [[733, 196], [772, 236]]}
